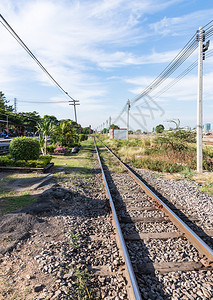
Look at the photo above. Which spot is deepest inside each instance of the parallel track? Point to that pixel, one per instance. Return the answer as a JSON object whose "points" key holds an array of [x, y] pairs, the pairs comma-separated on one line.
{"points": [[205, 251]]}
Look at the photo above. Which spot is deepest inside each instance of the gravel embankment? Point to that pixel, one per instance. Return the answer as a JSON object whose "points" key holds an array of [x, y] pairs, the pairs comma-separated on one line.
{"points": [[184, 193], [172, 285], [73, 255]]}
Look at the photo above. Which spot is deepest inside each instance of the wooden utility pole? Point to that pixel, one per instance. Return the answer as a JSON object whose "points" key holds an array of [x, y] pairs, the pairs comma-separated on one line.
{"points": [[73, 102]]}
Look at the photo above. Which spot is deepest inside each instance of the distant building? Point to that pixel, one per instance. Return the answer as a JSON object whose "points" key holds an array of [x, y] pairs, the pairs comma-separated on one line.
{"points": [[120, 134], [207, 127]]}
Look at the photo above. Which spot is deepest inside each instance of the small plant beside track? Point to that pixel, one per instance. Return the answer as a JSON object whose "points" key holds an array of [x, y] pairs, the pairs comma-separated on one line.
{"points": [[74, 240], [171, 151]]}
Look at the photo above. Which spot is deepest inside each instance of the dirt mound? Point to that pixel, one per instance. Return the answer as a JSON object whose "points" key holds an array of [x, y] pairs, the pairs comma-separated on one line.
{"points": [[15, 227], [49, 201]]}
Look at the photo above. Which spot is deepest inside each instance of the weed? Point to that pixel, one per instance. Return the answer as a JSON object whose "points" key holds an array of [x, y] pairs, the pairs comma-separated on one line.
{"points": [[81, 283], [7, 238], [169, 152], [207, 189], [187, 173], [158, 175], [75, 242]]}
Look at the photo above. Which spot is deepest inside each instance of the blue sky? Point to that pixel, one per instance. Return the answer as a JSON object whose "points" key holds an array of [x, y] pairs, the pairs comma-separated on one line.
{"points": [[103, 53]]}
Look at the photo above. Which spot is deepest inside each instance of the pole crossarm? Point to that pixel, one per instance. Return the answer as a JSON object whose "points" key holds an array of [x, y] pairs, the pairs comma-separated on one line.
{"points": [[73, 102]]}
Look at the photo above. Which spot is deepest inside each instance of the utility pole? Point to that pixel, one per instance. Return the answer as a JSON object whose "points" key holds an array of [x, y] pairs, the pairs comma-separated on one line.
{"points": [[15, 105], [73, 102], [127, 118], [201, 56], [110, 121]]}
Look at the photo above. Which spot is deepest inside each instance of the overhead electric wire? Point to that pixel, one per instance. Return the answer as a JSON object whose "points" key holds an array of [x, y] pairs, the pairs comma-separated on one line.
{"points": [[176, 62], [180, 76], [209, 33], [176, 80], [19, 40], [44, 102], [161, 79], [208, 24]]}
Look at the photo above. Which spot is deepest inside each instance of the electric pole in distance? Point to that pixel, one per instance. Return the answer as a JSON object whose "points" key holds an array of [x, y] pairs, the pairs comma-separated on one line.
{"points": [[201, 56], [110, 121], [73, 102], [127, 119]]}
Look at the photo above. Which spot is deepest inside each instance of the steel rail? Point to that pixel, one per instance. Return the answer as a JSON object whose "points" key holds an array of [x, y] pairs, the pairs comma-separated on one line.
{"points": [[198, 243], [137, 295]]}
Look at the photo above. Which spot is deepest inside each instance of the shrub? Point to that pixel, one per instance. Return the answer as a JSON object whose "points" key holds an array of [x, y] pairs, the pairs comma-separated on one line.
{"points": [[20, 163], [50, 148], [159, 128], [24, 148], [83, 137], [31, 163], [5, 161], [157, 165], [146, 142], [45, 158], [59, 149], [41, 162]]}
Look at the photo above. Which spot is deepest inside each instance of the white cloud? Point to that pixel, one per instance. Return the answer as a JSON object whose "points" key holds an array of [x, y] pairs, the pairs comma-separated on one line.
{"points": [[81, 43], [182, 24]]}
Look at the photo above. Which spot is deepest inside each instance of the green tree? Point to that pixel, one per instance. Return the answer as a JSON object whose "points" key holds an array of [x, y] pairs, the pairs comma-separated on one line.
{"points": [[45, 127], [159, 128], [53, 119], [3, 103], [113, 126], [67, 134], [87, 130], [176, 140], [105, 130], [29, 119]]}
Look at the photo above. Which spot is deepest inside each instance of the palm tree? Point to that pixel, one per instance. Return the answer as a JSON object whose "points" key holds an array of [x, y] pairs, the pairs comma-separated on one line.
{"points": [[68, 134], [46, 127]]}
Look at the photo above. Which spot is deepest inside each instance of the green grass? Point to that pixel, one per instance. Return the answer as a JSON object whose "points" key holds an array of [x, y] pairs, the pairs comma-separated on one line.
{"points": [[172, 153], [11, 201], [207, 188], [74, 166], [187, 173], [79, 164]]}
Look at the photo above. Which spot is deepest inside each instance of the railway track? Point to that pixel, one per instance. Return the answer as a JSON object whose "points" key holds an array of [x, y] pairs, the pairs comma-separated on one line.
{"points": [[165, 258]]}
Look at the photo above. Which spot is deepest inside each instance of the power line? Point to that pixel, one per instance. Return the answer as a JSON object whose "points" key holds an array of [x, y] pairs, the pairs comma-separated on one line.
{"points": [[42, 102], [24, 46], [181, 57], [173, 65], [208, 24]]}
